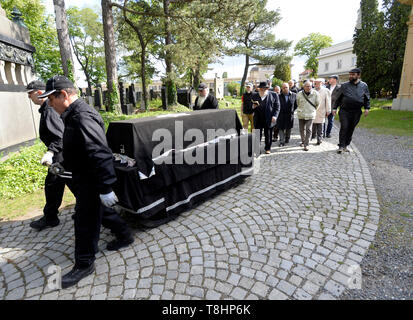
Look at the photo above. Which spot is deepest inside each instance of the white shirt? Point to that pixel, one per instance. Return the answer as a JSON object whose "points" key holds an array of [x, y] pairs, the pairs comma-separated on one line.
{"points": [[332, 88]]}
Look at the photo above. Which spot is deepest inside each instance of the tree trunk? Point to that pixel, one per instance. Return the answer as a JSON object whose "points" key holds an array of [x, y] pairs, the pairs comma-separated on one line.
{"points": [[143, 76], [196, 77], [110, 58], [63, 37], [244, 77], [170, 85]]}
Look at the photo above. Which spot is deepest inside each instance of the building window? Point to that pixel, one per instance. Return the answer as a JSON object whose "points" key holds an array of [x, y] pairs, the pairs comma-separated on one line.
{"points": [[354, 61], [326, 66], [339, 64]]}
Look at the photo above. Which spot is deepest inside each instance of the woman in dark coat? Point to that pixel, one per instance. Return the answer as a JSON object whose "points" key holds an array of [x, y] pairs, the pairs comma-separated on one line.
{"points": [[285, 121]]}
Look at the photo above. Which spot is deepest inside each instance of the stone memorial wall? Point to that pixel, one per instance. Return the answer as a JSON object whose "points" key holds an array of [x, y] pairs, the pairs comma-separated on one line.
{"points": [[19, 118]]}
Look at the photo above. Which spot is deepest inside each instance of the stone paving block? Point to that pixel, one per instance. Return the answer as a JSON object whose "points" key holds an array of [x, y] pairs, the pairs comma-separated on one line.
{"points": [[213, 295], [300, 294], [277, 295], [260, 289], [310, 287], [286, 287], [334, 288]]}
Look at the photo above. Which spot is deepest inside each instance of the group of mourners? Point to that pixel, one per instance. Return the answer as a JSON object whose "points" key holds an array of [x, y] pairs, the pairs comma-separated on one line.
{"points": [[316, 104], [78, 154]]}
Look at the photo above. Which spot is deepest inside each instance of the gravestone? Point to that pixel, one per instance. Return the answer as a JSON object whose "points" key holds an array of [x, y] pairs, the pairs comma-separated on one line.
{"points": [[164, 98], [98, 99], [19, 118], [219, 88]]}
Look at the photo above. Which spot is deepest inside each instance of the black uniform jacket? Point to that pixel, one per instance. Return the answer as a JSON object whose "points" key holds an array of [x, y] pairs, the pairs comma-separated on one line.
{"points": [[352, 97], [85, 149], [210, 103], [51, 130], [268, 108], [285, 119]]}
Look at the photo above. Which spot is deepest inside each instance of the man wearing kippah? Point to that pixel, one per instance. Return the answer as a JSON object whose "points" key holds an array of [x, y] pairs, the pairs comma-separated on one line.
{"points": [[51, 133], [353, 96], [205, 100], [86, 154]]}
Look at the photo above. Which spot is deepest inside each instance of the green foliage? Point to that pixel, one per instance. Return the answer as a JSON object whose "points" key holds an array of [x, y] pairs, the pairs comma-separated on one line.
{"points": [[225, 75], [310, 47], [277, 82], [252, 38], [22, 172], [393, 122], [234, 88], [283, 71], [43, 35], [86, 37], [381, 60], [369, 53]]}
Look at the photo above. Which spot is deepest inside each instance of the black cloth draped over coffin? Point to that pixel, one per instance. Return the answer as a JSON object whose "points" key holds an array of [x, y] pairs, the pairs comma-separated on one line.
{"points": [[177, 184]]}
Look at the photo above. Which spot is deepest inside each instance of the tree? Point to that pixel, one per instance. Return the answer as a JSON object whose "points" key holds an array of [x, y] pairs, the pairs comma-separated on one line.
{"points": [[63, 37], [110, 57], [86, 37], [43, 36], [310, 47], [146, 32], [396, 16], [225, 75], [253, 39], [233, 88], [283, 71], [369, 46]]}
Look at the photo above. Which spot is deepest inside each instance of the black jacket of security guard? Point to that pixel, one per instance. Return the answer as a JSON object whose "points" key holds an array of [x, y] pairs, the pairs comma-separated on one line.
{"points": [[352, 97], [85, 149], [267, 108], [210, 103], [51, 130]]}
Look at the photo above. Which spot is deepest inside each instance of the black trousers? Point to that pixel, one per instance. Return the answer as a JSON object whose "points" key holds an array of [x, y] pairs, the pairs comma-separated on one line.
{"points": [[267, 135], [90, 215], [54, 188], [348, 122], [276, 131]]}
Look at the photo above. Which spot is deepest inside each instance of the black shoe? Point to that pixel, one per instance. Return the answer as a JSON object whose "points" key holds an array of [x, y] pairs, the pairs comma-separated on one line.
{"points": [[120, 243], [318, 142], [287, 141], [282, 144], [340, 150], [42, 223], [75, 275], [328, 136]]}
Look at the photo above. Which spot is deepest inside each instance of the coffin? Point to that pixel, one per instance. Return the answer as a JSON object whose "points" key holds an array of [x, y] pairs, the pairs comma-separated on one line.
{"points": [[181, 160]]}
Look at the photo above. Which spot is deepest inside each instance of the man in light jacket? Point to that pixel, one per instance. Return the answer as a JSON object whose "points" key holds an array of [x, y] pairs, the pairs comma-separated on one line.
{"points": [[323, 110], [308, 101]]}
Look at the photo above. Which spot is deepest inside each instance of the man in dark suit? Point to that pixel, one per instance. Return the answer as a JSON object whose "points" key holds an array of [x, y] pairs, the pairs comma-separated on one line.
{"points": [[266, 106], [334, 90], [205, 100], [285, 121]]}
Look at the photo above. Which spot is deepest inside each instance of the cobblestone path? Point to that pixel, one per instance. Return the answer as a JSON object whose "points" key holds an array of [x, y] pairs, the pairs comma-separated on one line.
{"points": [[297, 229]]}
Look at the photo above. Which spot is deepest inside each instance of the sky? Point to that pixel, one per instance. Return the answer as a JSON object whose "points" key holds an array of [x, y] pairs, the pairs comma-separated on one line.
{"points": [[335, 18]]}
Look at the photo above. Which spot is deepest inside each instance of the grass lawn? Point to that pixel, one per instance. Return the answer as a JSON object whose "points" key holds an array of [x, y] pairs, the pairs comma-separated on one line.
{"points": [[29, 205], [391, 122]]}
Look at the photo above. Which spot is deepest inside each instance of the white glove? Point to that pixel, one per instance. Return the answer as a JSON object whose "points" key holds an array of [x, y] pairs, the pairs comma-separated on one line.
{"points": [[47, 159], [56, 168], [109, 199]]}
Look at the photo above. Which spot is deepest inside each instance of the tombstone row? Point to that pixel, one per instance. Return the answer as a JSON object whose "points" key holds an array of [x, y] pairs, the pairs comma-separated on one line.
{"points": [[130, 99]]}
